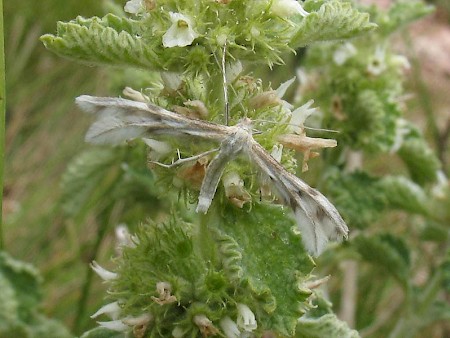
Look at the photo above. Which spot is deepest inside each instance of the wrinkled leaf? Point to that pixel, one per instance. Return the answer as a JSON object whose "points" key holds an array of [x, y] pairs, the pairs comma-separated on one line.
{"points": [[333, 21], [326, 326]]}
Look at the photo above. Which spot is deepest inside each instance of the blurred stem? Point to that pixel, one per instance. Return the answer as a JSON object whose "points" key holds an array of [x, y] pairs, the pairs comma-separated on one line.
{"points": [[422, 90], [85, 292], [349, 296], [2, 118]]}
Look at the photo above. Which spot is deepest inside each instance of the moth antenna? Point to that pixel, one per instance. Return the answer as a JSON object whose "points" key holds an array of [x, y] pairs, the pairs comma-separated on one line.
{"points": [[225, 85], [304, 127]]}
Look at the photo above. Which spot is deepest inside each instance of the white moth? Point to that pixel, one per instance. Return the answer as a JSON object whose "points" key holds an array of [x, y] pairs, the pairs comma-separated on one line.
{"points": [[120, 120]]}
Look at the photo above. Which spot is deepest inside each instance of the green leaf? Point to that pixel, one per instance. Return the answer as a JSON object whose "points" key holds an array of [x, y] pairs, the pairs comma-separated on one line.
{"points": [[357, 196], [334, 20], [273, 258], [110, 40], [420, 159], [101, 332], [404, 194], [326, 326], [25, 281], [402, 13], [387, 252], [19, 303], [84, 175]]}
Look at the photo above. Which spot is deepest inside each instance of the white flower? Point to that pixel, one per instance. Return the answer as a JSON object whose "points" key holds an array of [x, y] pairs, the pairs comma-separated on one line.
{"points": [[115, 325], [234, 189], [277, 152], [377, 64], [230, 328], [133, 6], [103, 273], [158, 148], [171, 80], [401, 60], [287, 8], [344, 52], [143, 319], [299, 116], [178, 332], [246, 318], [181, 33], [112, 310], [135, 95], [273, 97], [232, 70], [205, 326]]}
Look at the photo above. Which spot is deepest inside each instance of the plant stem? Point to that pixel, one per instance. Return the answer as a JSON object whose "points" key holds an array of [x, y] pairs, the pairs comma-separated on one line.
{"points": [[85, 292], [2, 118]]}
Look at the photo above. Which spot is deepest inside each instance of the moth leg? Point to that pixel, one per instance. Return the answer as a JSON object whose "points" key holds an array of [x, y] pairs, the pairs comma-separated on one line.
{"points": [[181, 161], [211, 180]]}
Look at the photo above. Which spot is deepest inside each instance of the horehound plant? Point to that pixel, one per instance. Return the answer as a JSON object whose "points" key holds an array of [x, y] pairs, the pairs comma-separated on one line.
{"points": [[228, 250]]}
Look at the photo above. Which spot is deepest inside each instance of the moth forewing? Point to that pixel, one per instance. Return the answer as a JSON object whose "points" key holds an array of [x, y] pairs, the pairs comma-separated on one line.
{"points": [[317, 218], [120, 120]]}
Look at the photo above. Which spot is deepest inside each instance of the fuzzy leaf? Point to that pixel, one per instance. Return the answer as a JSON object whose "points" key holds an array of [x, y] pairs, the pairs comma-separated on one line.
{"points": [[84, 175], [358, 197], [326, 326], [404, 194], [109, 40], [275, 270], [25, 280], [420, 159], [334, 20], [387, 252], [19, 303]]}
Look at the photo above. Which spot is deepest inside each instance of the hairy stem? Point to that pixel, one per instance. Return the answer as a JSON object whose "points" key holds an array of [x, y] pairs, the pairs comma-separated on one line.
{"points": [[2, 119]]}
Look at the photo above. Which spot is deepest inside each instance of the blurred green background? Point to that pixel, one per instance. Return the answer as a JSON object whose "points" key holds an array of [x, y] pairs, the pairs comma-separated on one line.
{"points": [[45, 131]]}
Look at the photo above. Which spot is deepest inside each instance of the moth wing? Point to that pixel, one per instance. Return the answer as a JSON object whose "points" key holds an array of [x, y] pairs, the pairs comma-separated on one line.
{"points": [[317, 219], [120, 120]]}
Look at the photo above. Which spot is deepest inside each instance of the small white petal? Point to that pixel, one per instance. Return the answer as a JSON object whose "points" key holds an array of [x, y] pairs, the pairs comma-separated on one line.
{"points": [[234, 189], [287, 8], [123, 236], [159, 148], [133, 6], [230, 328], [111, 309], [232, 70], [300, 115], [246, 318], [277, 152], [103, 273], [401, 60], [181, 33], [115, 325], [343, 53], [172, 80], [178, 332], [377, 64], [143, 319], [281, 90]]}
